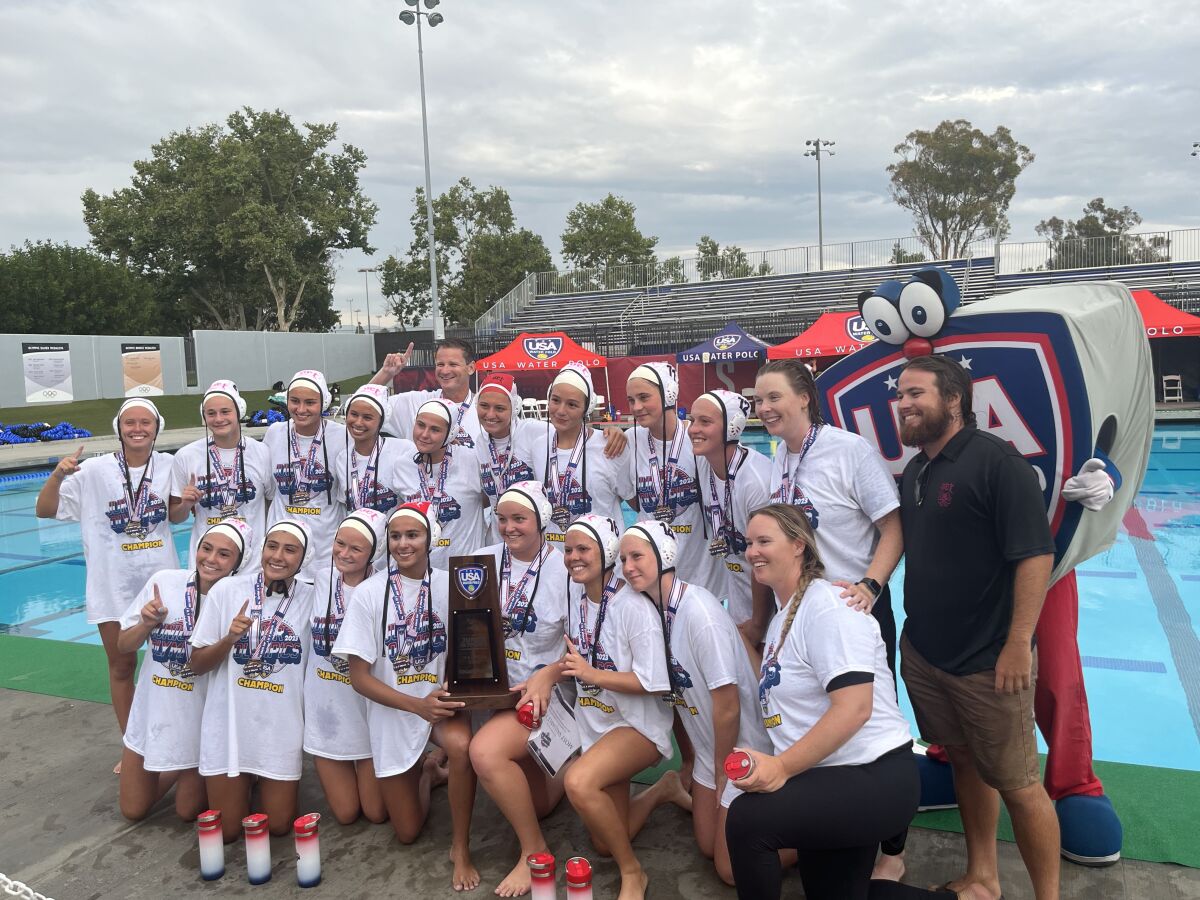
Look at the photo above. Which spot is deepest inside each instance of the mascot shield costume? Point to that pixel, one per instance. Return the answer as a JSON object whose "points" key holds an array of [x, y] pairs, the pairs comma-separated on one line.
{"points": [[1064, 374]]}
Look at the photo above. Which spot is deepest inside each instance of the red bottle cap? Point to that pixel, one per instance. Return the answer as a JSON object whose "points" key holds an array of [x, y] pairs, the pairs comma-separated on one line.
{"points": [[738, 764], [209, 820], [526, 717], [306, 825], [541, 865], [255, 823], [579, 872]]}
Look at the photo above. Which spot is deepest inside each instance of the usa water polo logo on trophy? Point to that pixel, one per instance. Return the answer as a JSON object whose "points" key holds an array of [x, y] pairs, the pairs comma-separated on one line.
{"points": [[471, 579], [543, 348], [857, 330], [723, 342]]}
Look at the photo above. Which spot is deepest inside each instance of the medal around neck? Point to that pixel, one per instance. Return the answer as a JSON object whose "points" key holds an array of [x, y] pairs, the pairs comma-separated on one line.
{"points": [[476, 670]]}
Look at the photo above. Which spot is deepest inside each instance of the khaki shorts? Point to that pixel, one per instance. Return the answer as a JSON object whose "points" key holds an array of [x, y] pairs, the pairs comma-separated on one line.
{"points": [[966, 711]]}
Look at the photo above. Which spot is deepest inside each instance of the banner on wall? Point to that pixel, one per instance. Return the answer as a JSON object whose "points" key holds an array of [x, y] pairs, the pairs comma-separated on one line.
{"points": [[47, 370], [142, 368]]}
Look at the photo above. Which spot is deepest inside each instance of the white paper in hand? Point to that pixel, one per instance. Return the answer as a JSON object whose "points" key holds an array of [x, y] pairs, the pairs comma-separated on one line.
{"points": [[555, 742]]}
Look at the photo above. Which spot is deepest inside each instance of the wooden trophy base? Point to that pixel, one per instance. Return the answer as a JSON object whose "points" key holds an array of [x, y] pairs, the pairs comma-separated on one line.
{"points": [[487, 701]]}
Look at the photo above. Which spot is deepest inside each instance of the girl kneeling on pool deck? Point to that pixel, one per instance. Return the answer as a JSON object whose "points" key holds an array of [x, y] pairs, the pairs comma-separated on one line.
{"points": [[162, 739], [711, 680], [254, 632], [394, 637], [335, 716], [617, 659], [533, 597]]}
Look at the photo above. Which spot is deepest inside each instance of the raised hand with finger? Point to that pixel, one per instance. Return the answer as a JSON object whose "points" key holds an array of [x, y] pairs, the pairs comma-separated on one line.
{"points": [[68, 465], [155, 612], [191, 493], [240, 624]]}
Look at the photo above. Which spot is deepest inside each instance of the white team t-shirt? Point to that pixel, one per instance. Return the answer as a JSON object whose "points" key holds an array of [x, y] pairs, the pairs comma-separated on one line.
{"points": [[402, 412], [369, 480], [844, 487], [118, 564], [252, 493], [254, 713], [630, 640], [751, 490], [164, 721], [335, 715], [502, 463], [694, 563], [827, 639], [538, 604], [707, 653], [598, 486], [408, 660], [459, 499], [306, 472]]}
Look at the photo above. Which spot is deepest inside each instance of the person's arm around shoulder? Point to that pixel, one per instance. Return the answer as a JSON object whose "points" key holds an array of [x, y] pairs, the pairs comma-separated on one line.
{"points": [[49, 496]]}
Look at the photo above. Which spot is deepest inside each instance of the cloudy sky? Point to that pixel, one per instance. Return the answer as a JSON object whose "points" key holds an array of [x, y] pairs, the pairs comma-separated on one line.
{"points": [[695, 111]]}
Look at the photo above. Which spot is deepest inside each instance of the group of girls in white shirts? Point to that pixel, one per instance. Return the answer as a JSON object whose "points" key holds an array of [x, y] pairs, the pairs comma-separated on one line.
{"points": [[312, 614]]}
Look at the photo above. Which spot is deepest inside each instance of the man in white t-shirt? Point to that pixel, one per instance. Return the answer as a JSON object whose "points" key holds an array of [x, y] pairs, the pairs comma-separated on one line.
{"points": [[453, 364]]}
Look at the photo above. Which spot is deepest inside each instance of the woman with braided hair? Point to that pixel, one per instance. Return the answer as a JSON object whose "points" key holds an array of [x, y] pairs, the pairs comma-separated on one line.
{"points": [[842, 778]]}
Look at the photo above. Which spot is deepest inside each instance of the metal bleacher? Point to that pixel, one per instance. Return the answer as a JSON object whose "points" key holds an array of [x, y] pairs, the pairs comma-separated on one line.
{"points": [[803, 295], [664, 314]]}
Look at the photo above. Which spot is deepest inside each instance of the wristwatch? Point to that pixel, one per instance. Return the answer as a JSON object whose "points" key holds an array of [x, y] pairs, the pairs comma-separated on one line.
{"points": [[872, 585]]}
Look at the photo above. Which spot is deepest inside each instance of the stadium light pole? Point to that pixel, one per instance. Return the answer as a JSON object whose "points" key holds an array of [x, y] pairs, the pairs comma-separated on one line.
{"points": [[411, 17], [367, 292], [818, 147]]}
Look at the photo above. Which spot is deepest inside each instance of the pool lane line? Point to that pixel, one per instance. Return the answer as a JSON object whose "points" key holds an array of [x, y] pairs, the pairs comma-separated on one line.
{"points": [[1175, 621], [33, 565], [1124, 665]]}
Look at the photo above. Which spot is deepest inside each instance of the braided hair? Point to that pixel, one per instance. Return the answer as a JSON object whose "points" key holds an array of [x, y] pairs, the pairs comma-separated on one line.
{"points": [[795, 526]]}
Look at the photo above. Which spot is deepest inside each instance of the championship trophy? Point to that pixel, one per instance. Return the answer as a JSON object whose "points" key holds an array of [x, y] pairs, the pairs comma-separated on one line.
{"points": [[476, 669]]}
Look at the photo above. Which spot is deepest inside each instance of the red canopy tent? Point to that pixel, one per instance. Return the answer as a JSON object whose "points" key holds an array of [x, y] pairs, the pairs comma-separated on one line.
{"points": [[833, 334], [542, 353], [1164, 320]]}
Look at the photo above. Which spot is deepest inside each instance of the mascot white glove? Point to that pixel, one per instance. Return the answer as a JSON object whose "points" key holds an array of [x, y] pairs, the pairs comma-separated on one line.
{"points": [[1092, 486]]}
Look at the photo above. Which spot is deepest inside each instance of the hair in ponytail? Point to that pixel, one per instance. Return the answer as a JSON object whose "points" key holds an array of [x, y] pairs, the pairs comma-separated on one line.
{"points": [[795, 527]]}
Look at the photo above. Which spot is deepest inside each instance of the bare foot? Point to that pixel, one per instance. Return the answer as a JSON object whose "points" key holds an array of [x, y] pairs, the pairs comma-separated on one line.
{"points": [[888, 868], [516, 882], [438, 774], [439, 757], [117, 768], [466, 876], [633, 886], [675, 792]]}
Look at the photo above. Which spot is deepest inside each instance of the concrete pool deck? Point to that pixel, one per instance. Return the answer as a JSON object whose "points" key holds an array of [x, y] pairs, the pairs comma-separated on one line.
{"points": [[65, 838]]}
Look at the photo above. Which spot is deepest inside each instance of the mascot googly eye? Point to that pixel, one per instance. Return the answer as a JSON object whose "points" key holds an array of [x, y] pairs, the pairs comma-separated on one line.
{"points": [[909, 313]]}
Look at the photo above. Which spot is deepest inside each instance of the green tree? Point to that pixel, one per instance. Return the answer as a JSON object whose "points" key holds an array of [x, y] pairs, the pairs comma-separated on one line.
{"points": [[481, 253], [60, 289], [731, 261], [1100, 237], [409, 308], [901, 257], [606, 234], [240, 222], [957, 182], [670, 271]]}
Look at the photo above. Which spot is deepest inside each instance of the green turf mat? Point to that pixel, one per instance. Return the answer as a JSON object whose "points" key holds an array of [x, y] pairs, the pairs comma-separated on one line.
{"points": [[57, 668], [1157, 808]]}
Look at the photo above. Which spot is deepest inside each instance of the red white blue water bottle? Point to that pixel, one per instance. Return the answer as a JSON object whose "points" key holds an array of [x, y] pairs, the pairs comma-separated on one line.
{"points": [[738, 765], [258, 848], [541, 876], [212, 845], [579, 879], [308, 850]]}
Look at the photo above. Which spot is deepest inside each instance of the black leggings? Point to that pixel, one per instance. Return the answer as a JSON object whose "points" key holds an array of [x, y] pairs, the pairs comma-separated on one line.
{"points": [[882, 611], [833, 816]]}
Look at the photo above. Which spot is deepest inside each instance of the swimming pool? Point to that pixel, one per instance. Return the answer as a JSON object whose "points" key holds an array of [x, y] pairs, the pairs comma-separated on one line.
{"points": [[1139, 603]]}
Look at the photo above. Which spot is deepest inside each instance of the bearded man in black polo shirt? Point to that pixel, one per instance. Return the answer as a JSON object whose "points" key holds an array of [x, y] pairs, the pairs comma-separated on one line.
{"points": [[978, 560]]}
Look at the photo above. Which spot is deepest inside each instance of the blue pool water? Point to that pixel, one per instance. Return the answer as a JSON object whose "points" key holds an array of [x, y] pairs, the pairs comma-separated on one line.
{"points": [[1139, 603]]}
